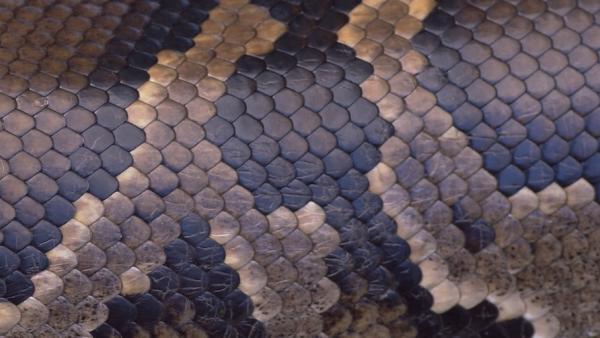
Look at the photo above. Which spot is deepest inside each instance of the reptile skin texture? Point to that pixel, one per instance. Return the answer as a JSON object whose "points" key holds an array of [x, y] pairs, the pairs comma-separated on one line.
{"points": [[300, 168]]}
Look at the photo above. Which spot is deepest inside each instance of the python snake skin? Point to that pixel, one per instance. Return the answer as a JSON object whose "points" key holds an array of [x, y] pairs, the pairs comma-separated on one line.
{"points": [[300, 168]]}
